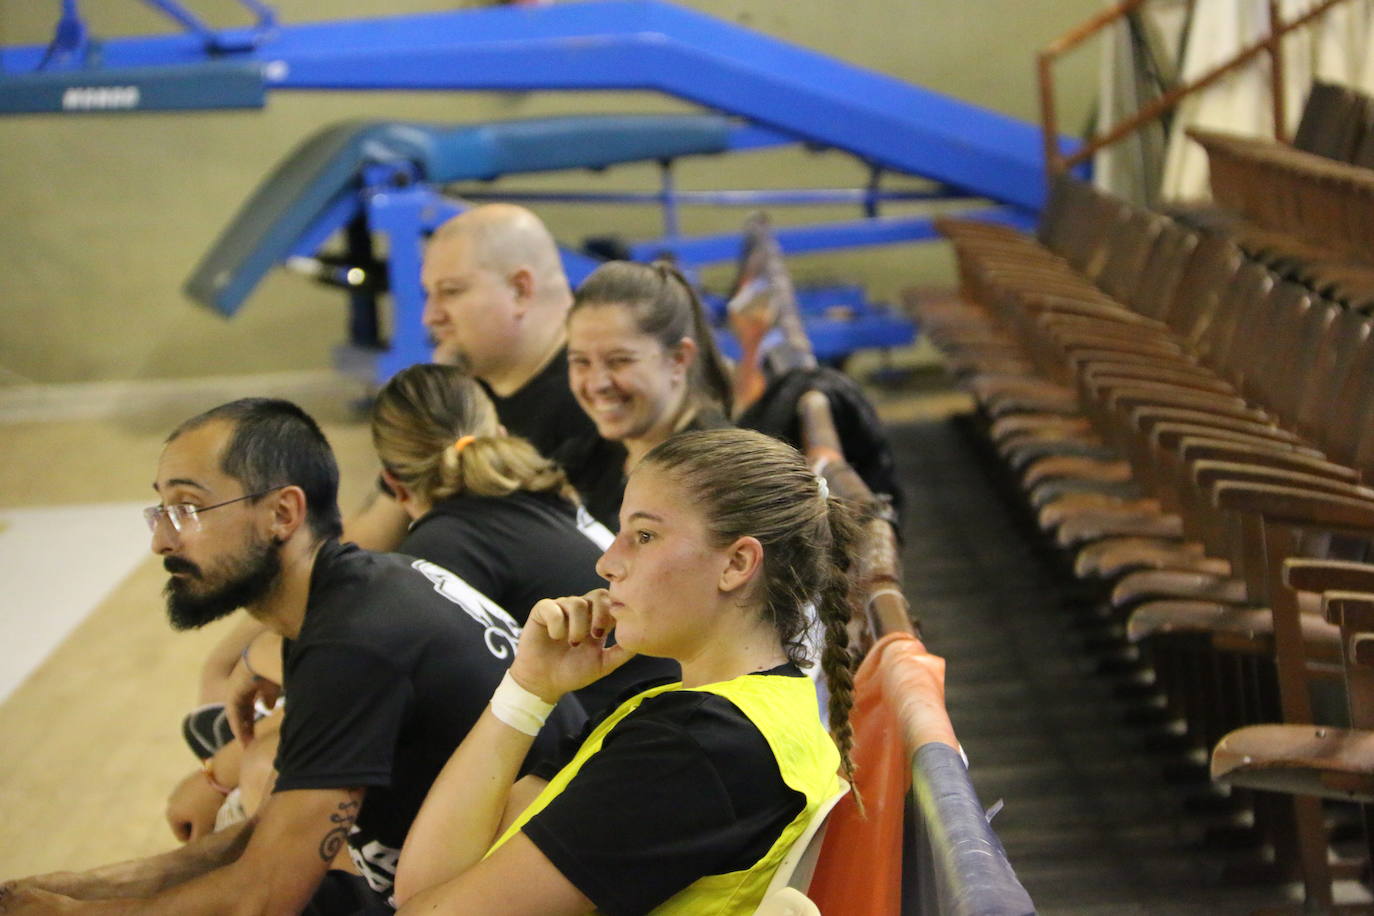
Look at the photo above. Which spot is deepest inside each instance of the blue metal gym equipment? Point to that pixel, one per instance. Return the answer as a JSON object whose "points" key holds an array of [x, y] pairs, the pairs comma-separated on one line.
{"points": [[372, 179]]}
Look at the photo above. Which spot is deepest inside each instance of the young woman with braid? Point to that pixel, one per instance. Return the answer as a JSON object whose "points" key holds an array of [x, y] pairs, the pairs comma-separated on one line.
{"points": [[643, 365], [687, 796], [487, 506]]}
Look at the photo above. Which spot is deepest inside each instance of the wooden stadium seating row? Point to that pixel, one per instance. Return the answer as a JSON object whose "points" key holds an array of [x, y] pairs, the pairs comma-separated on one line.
{"points": [[1307, 216], [1183, 423]]}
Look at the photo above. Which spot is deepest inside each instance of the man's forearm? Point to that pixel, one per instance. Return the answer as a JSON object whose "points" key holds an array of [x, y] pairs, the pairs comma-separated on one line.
{"points": [[149, 876]]}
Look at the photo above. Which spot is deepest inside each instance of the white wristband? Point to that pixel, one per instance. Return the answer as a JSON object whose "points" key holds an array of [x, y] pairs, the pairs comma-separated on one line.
{"points": [[518, 708]]}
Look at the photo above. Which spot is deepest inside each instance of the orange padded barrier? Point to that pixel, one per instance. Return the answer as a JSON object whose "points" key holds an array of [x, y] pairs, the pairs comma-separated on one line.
{"points": [[860, 868]]}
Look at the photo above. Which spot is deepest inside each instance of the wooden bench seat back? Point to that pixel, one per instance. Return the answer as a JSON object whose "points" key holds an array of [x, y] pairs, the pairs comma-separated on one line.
{"points": [[1334, 378], [1364, 150], [1066, 192], [1088, 236], [1235, 308], [1324, 202], [1164, 270], [1264, 356], [1205, 279], [1348, 431], [1305, 332], [1335, 121], [1131, 241]]}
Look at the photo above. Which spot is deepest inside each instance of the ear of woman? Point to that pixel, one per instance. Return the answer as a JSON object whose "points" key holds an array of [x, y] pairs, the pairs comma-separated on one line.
{"points": [[744, 559], [685, 353], [405, 497]]}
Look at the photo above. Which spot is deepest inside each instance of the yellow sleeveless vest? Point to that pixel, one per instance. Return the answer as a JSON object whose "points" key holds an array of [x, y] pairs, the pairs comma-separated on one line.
{"points": [[784, 710]]}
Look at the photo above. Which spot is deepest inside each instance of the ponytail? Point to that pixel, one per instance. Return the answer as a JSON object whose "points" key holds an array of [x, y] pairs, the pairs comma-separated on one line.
{"points": [[496, 466], [711, 374]]}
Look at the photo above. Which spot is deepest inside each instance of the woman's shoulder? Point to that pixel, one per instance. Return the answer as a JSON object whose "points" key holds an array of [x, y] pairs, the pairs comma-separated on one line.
{"points": [[518, 511], [456, 510], [707, 713]]}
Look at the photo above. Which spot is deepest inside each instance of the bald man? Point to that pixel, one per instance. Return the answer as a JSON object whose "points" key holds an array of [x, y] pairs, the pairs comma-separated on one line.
{"points": [[496, 304]]}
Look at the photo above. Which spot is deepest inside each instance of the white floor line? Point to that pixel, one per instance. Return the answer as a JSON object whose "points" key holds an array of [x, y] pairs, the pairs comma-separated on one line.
{"points": [[56, 565]]}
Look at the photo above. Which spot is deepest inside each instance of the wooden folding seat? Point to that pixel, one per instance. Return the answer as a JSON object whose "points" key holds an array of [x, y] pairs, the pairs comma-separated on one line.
{"points": [[1299, 757], [1181, 268], [1234, 613], [961, 328], [1114, 383], [1186, 464], [1175, 256], [1001, 272], [1336, 338], [1321, 370], [1186, 394], [1100, 321], [1325, 761], [1288, 190]]}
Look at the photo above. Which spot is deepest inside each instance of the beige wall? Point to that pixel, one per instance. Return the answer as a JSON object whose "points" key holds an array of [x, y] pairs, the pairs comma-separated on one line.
{"points": [[104, 216]]}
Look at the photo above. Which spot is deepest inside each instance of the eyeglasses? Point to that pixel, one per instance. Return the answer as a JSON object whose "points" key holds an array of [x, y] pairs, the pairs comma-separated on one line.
{"points": [[181, 514]]}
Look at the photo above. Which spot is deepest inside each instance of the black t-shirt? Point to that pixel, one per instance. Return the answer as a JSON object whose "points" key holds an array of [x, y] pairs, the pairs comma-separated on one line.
{"points": [[514, 549], [596, 467], [544, 410], [683, 787], [519, 549], [395, 661]]}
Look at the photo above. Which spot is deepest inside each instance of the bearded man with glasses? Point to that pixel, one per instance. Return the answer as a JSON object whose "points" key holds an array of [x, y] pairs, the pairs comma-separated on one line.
{"points": [[387, 663]]}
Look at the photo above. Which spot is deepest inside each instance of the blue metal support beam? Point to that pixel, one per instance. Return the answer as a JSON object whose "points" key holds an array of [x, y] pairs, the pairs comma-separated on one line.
{"points": [[632, 45], [713, 249]]}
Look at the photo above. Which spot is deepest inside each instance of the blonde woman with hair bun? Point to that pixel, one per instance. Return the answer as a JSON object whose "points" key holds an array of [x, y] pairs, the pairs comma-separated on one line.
{"points": [[485, 505]]}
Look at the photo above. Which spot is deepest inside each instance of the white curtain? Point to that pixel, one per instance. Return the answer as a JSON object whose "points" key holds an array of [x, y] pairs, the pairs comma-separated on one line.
{"points": [[1130, 168], [1336, 48]]}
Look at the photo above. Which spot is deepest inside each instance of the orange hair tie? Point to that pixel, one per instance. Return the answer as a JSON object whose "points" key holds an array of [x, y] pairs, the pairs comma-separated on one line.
{"points": [[462, 443]]}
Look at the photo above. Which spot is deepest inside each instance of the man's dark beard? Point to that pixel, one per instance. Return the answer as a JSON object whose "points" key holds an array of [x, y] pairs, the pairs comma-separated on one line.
{"points": [[249, 579]]}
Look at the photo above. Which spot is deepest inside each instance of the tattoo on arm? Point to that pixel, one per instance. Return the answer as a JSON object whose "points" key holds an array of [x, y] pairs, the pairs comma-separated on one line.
{"points": [[342, 819]]}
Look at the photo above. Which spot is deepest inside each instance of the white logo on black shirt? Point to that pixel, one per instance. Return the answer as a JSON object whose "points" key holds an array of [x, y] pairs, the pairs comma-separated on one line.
{"points": [[596, 532], [502, 632], [377, 863]]}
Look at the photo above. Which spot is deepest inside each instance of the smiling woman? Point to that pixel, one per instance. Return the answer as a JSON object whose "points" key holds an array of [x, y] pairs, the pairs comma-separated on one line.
{"points": [[686, 797], [643, 365]]}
